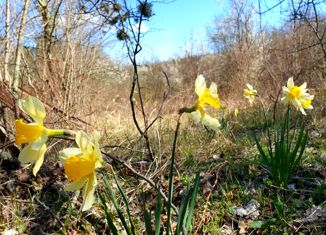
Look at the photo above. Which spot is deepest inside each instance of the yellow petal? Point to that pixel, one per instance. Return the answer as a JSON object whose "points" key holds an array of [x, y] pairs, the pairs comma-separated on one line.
{"points": [[207, 98], [27, 133], [236, 112], [247, 93], [76, 185], [295, 92], [88, 192], [306, 104], [34, 108], [97, 152]]}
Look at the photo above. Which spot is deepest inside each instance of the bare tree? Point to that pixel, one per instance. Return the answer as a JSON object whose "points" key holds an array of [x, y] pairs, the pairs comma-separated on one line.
{"points": [[19, 49]]}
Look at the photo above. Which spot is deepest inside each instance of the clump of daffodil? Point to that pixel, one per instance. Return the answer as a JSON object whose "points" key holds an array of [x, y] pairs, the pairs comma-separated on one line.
{"points": [[80, 166], [206, 96], [33, 134], [297, 96], [250, 93]]}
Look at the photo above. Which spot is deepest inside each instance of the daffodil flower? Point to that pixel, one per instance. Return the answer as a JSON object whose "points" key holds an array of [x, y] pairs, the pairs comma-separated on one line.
{"points": [[236, 112], [33, 134], [297, 96], [80, 165], [250, 93], [206, 96]]}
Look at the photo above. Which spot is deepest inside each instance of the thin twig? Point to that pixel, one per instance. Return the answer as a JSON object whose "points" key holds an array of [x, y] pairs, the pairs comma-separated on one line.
{"points": [[51, 212]]}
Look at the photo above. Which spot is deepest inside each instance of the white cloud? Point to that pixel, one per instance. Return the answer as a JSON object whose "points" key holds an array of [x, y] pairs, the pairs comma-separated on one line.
{"points": [[143, 28]]}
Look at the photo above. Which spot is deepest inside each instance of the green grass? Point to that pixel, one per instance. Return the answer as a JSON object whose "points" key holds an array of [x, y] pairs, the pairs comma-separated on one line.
{"points": [[231, 175]]}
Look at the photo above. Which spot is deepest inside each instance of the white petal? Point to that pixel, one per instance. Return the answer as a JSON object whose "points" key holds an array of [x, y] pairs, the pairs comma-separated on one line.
{"points": [[284, 99], [296, 103], [302, 111], [95, 138], [250, 87], [34, 108], [290, 83], [213, 90], [200, 85], [83, 142], [196, 116], [285, 89], [67, 152], [28, 154], [39, 160], [88, 193], [76, 185], [303, 87], [210, 122], [37, 144]]}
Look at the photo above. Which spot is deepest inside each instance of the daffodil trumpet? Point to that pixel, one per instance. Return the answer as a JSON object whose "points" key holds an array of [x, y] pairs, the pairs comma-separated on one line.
{"points": [[30, 132]]}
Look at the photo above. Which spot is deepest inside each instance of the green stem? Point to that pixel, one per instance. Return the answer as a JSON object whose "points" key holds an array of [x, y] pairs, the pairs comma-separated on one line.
{"points": [[188, 110], [60, 132], [170, 193]]}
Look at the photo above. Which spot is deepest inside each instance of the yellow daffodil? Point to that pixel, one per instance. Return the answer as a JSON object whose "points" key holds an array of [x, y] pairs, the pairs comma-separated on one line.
{"points": [[250, 93], [297, 96], [80, 164], [206, 96], [236, 112], [33, 134]]}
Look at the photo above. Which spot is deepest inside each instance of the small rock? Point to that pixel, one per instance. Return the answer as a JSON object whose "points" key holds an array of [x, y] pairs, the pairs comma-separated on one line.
{"points": [[314, 133], [215, 157], [291, 186], [249, 211], [10, 232]]}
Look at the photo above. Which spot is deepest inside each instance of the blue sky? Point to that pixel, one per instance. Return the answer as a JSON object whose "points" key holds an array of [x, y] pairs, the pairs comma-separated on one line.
{"points": [[174, 25], [177, 23]]}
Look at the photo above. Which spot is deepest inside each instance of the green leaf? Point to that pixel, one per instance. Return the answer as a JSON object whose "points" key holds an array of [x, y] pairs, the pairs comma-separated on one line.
{"points": [[256, 224], [112, 227], [116, 206], [193, 201], [147, 219], [158, 212], [183, 211], [124, 198]]}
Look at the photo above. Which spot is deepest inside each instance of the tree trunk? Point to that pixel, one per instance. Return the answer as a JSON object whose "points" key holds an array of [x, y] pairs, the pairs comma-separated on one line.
{"points": [[19, 50], [7, 42]]}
